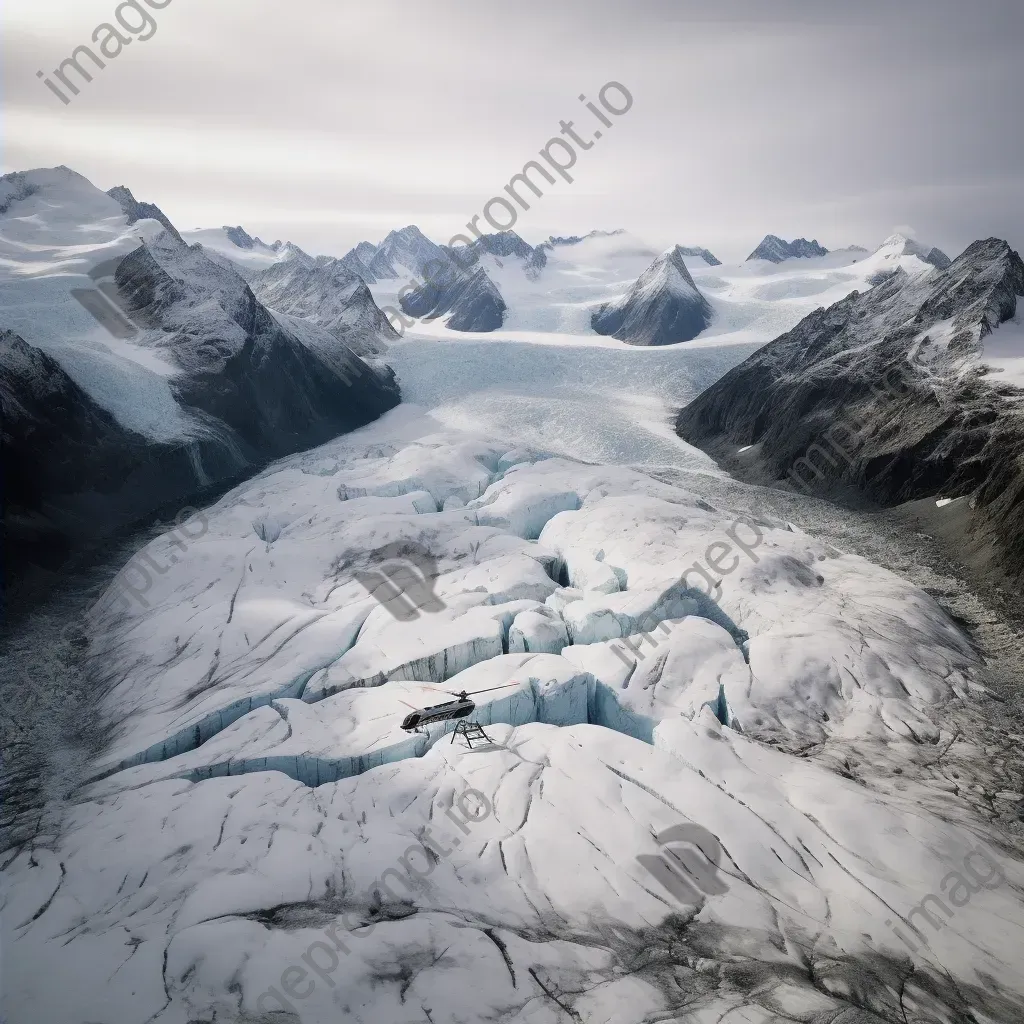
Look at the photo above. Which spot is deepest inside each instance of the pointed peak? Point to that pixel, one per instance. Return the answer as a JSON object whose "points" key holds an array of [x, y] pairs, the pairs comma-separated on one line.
{"points": [[239, 236], [895, 239], [902, 245], [407, 234]]}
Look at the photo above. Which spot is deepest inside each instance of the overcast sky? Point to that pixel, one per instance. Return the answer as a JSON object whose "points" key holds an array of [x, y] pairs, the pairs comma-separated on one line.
{"points": [[327, 121]]}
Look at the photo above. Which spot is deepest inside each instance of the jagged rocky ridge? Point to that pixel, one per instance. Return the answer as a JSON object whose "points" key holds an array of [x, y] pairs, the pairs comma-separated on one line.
{"points": [[777, 249], [471, 297], [694, 250], [405, 252], [450, 281], [662, 308], [885, 391], [238, 363], [250, 386], [329, 294], [136, 211]]}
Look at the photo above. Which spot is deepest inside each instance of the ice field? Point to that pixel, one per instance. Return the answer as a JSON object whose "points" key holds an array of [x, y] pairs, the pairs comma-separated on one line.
{"points": [[260, 841]]}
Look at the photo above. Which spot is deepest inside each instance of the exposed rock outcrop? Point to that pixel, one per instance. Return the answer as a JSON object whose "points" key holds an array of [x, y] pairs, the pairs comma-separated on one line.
{"points": [[471, 297], [886, 392], [708, 257], [331, 296], [226, 386], [663, 307], [775, 249], [136, 211]]}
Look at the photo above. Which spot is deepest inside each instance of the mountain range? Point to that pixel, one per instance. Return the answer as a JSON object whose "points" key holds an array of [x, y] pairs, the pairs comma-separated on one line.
{"points": [[775, 249], [192, 357], [720, 749], [136, 372], [908, 392]]}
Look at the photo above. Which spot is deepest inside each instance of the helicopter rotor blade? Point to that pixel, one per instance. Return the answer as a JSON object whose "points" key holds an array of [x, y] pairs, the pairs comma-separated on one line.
{"points": [[440, 689], [489, 688]]}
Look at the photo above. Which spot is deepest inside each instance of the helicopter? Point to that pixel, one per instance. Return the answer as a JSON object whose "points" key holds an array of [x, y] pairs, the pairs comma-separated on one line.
{"points": [[446, 712]]}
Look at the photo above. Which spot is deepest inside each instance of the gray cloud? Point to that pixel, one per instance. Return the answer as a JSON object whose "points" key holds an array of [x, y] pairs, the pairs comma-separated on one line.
{"points": [[327, 122]]}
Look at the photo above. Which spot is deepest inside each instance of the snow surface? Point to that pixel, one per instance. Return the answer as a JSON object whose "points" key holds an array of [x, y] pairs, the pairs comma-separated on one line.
{"points": [[49, 241], [225, 857], [753, 302], [238, 831], [259, 257], [1003, 351]]}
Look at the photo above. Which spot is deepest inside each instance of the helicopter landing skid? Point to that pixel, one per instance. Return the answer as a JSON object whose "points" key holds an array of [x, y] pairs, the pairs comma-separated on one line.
{"points": [[471, 731]]}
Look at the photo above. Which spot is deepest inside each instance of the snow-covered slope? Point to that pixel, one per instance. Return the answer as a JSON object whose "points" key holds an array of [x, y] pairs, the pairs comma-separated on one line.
{"points": [[247, 254], [663, 307], [258, 840], [199, 380], [899, 245]]}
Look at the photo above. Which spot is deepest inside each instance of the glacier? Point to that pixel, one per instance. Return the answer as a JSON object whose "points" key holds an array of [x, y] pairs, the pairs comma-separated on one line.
{"points": [[255, 787], [256, 839]]}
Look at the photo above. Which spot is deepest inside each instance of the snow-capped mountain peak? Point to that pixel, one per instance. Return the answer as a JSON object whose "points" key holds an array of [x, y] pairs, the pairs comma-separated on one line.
{"points": [[662, 308], [898, 244], [775, 249]]}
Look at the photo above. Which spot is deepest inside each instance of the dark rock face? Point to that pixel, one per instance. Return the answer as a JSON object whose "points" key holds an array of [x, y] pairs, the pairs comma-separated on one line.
{"points": [[472, 298], [883, 392], [937, 258], [330, 295], [663, 307], [708, 257], [240, 237], [71, 472], [776, 249], [479, 306], [239, 365], [135, 211], [251, 389]]}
